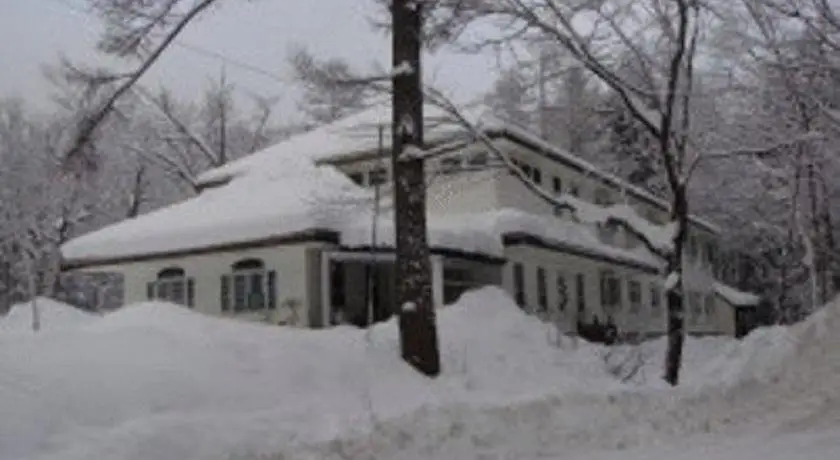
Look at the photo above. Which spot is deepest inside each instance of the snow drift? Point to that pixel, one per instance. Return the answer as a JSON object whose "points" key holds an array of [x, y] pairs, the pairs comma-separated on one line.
{"points": [[157, 381], [54, 315]]}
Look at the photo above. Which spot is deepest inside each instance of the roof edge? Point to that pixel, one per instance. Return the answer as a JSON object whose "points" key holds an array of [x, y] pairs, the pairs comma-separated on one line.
{"points": [[528, 239], [316, 235]]}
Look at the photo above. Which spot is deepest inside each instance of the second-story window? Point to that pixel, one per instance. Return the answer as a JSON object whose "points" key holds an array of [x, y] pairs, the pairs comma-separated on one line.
{"points": [[536, 174], [450, 165], [557, 185], [378, 176], [655, 300], [602, 197], [357, 177], [479, 159], [711, 253]]}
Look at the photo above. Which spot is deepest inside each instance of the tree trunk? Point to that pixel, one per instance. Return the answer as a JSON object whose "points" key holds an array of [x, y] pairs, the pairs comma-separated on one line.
{"points": [[674, 292], [418, 332]]}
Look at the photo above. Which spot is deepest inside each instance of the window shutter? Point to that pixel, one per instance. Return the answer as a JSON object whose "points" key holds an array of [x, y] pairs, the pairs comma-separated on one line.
{"points": [[272, 289], [190, 292], [150, 290], [224, 294]]}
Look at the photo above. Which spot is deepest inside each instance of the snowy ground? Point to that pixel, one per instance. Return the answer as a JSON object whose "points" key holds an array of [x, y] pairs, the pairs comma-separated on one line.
{"points": [[155, 381]]}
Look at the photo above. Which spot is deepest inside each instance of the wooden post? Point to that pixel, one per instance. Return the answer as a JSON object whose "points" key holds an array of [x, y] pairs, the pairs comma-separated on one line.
{"points": [[418, 331]]}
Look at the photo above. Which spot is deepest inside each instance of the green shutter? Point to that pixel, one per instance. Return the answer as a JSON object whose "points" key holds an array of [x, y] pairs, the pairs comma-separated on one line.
{"points": [[224, 294], [272, 289], [190, 292]]}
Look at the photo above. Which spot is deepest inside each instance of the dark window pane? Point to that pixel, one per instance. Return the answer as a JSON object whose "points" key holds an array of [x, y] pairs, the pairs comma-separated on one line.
{"points": [[190, 292], [519, 283], [240, 292], [272, 290], [581, 292], [542, 289], [224, 294]]}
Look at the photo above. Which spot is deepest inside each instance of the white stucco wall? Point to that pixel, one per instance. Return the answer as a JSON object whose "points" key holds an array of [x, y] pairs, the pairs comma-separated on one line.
{"points": [[207, 269], [643, 322]]}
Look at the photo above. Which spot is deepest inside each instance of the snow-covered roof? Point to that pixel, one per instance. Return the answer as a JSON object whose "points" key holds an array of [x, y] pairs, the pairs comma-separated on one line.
{"points": [[285, 190], [736, 297], [355, 134], [359, 133], [296, 198]]}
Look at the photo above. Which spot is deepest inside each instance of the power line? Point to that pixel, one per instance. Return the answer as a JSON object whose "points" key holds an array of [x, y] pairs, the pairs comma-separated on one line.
{"points": [[192, 48]]}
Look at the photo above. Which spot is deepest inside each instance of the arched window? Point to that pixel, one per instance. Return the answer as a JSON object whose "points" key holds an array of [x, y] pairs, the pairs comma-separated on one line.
{"points": [[249, 287], [172, 285]]}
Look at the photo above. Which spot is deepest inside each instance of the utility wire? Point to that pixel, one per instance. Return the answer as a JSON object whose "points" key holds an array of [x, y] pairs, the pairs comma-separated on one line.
{"points": [[189, 47]]}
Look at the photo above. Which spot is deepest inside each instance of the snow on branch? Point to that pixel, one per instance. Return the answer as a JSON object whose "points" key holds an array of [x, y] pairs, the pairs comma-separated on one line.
{"points": [[163, 105], [98, 113]]}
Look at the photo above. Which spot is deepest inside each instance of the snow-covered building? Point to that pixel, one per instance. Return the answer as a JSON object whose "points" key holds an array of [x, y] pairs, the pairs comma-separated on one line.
{"points": [[292, 234]]}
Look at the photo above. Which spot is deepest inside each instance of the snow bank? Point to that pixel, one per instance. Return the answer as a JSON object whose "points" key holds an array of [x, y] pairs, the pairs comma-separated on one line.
{"points": [[54, 315], [159, 381]]}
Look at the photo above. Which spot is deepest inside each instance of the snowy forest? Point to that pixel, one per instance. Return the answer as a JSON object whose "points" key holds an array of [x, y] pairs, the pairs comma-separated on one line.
{"points": [[757, 109]]}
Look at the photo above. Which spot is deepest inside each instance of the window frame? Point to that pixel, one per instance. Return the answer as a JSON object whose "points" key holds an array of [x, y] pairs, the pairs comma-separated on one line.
{"points": [[610, 291], [634, 289], [172, 285], [249, 279]]}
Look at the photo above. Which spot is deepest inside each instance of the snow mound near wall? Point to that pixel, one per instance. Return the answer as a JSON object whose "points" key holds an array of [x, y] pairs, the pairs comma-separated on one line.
{"points": [[154, 380], [54, 315]]}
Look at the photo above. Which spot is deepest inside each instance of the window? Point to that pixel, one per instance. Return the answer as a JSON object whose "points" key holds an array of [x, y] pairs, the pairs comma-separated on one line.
{"points": [[695, 305], [526, 168], [634, 293], [602, 197], [711, 254], [357, 177], [378, 176], [557, 185], [610, 291], [580, 290], [607, 232], [574, 190], [479, 159], [537, 175], [542, 290], [519, 284], [709, 304], [450, 165], [250, 287], [456, 281], [337, 284], [562, 292], [655, 299], [691, 247], [172, 285]]}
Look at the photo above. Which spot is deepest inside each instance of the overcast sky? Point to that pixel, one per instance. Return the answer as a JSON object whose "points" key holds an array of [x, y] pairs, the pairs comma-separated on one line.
{"points": [[253, 32]]}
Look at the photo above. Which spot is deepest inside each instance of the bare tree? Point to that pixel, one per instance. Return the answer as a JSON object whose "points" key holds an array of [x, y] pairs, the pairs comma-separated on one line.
{"points": [[324, 100]]}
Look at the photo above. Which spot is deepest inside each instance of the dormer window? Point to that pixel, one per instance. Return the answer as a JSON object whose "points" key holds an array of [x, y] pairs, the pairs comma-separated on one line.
{"points": [[378, 176], [450, 165], [602, 197], [357, 177], [557, 185], [479, 159]]}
